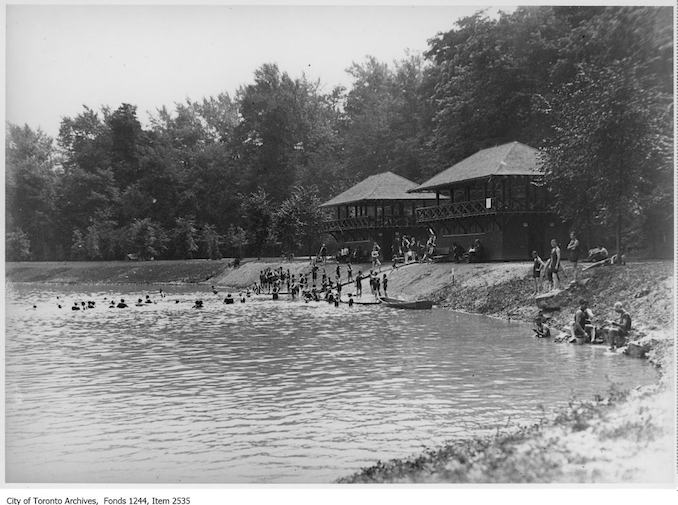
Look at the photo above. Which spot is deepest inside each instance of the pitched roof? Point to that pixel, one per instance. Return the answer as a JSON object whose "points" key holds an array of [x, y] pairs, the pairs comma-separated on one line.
{"points": [[513, 158], [384, 186]]}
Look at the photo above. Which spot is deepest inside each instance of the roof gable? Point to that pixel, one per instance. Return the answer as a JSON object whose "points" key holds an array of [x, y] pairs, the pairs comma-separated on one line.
{"points": [[513, 158], [384, 186]]}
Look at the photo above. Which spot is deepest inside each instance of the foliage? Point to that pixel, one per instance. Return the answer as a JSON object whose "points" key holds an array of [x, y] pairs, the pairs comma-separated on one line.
{"points": [[184, 238], [17, 246], [211, 239], [236, 238], [295, 222], [256, 211], [146, 239], [592, 86]]}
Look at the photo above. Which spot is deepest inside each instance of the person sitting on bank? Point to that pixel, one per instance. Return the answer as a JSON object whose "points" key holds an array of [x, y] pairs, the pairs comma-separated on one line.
{"points": [[617, 331], [475, 252], [541, 330], [582, 328], [598, 254]]}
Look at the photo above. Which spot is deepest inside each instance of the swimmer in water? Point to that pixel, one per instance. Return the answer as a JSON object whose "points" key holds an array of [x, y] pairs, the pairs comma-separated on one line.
{"points": [[198, 304], [122, 304], [75, 306], [148, 299], [140, 303]]}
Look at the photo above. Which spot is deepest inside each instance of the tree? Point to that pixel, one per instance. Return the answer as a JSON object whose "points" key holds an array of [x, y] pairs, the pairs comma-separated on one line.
{"points": [[210, 238], [256, 211], [184, 238], [146, 239], [30, 189], [17, 246], [236, 237], [598, 163], [295, 223]]}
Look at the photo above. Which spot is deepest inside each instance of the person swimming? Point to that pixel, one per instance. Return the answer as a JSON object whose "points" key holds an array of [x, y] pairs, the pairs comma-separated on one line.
{"points": [[196, 305], [229, 299], [122, 304], [140, 303], [111, 305], [148, 299], [75, 306]]}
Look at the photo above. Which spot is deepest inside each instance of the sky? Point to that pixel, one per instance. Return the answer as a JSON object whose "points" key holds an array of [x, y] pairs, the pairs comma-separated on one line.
{"points": [[59, 58]]}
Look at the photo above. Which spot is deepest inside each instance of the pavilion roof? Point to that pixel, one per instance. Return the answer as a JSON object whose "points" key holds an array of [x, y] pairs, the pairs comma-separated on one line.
{"points": [[384, 186], [513, 158]]}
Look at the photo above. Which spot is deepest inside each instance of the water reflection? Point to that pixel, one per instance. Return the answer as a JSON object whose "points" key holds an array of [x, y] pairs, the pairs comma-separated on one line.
{"points": [[264, 391]]}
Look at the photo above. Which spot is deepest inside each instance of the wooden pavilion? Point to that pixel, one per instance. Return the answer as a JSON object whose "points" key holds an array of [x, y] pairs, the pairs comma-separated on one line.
{"points": [[497, 196], [376, 209]]}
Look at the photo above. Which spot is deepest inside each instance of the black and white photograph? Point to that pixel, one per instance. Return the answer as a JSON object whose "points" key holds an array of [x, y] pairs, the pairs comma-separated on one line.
{"points": [[320, 245]]}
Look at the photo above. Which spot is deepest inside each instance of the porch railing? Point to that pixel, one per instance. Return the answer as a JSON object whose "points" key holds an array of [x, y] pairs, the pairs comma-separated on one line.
{"points": [[473, 208], [367, 222]]}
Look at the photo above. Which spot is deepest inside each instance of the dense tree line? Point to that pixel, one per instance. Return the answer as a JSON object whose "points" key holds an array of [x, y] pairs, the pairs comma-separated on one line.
{"points": [[244, 174]]}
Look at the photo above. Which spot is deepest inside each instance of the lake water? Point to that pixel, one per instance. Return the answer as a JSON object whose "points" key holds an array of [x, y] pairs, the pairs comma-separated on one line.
{"points": [[264, 391]]}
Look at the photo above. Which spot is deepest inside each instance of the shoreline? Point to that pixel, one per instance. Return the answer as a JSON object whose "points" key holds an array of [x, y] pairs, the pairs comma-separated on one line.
{"points": [[631, 426]]}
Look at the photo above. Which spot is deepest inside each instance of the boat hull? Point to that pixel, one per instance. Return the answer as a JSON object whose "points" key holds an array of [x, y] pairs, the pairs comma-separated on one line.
{"points": [[404, 304]]}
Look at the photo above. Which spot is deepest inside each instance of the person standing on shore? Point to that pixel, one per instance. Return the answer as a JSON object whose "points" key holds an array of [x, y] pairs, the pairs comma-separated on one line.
{"points": [[574, 250], [537, 269], [554, 266], [349, 271], [359, 284], [385, 284], [375, 255]]}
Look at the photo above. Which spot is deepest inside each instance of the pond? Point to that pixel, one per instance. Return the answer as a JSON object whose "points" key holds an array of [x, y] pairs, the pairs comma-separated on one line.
{"points": [[265, 391]]}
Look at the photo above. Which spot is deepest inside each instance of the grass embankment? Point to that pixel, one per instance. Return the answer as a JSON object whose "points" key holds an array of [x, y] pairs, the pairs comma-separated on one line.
{"points": [[624, 437], [115, 272]]}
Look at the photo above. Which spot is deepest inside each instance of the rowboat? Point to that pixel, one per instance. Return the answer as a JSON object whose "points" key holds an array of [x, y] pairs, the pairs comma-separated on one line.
{"points": [[358, 301], [405, 304]]}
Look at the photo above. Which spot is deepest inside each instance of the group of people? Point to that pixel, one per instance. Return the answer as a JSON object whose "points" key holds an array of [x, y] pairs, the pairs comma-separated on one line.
{"points": [[409, 249], [112, 304], [613, 332], [548, 272]]}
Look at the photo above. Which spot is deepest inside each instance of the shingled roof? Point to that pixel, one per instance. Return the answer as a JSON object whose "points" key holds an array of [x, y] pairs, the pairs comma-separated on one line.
{"points": [[384, 186], [513, 158]]}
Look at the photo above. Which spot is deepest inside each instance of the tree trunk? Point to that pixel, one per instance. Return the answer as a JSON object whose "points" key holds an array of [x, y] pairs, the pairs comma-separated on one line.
{"points": [[619, 239]]}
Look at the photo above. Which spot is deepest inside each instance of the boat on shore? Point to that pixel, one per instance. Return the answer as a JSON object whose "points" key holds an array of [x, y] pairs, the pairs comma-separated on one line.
{"points": [[406, 304]]}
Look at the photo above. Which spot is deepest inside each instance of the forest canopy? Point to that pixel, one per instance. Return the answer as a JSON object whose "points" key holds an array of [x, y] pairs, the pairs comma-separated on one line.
{"points": [[244, 174]]}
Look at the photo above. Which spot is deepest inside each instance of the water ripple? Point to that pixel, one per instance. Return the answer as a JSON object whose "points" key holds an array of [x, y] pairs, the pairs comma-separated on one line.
{"points": [[263, 391]]}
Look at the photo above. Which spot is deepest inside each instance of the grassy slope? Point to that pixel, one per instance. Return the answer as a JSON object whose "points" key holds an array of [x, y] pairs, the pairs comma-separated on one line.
{"points": [[140, 272]]}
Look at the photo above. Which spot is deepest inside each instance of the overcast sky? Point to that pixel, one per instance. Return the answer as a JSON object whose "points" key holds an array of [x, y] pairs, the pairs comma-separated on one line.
{"points": [[61, 57]]}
